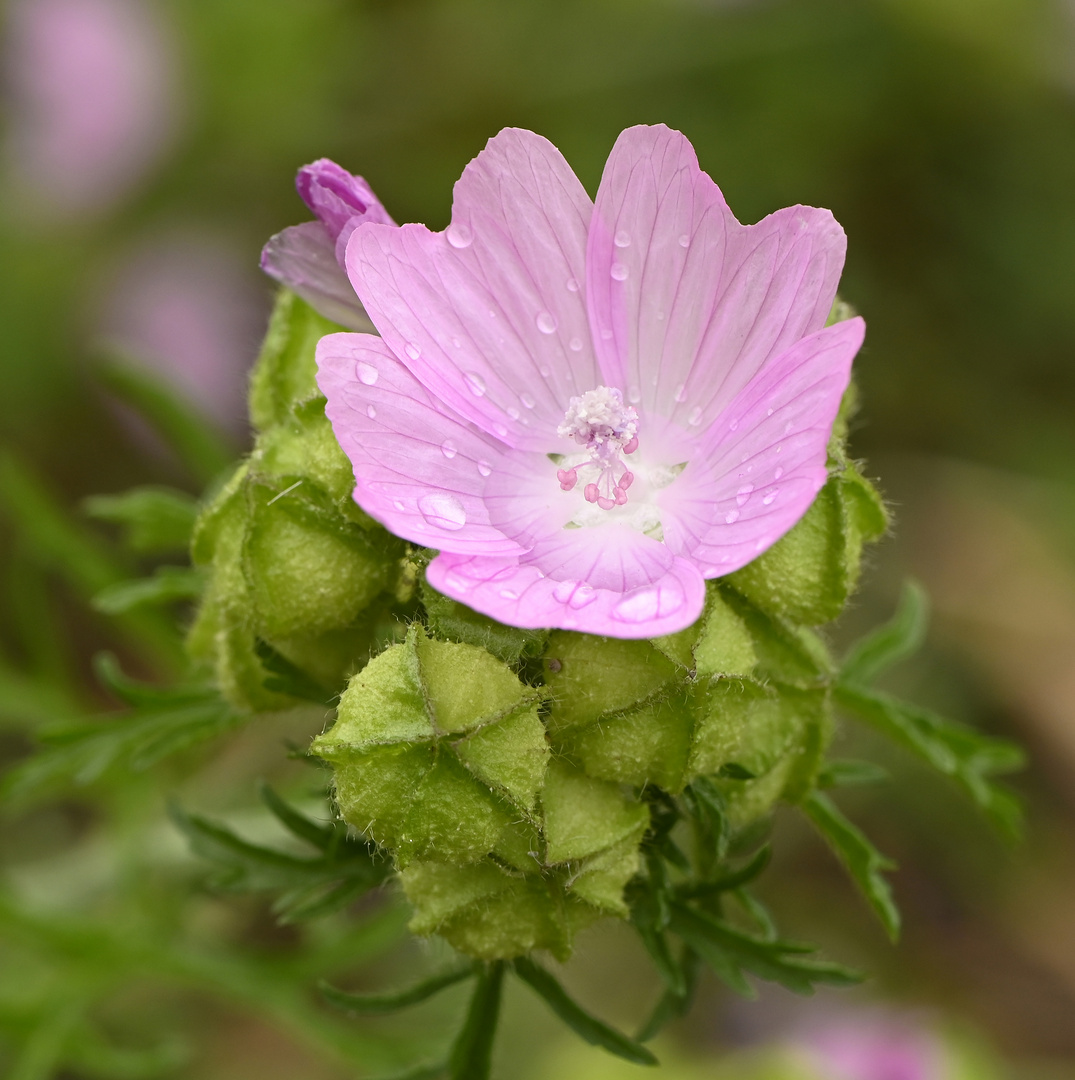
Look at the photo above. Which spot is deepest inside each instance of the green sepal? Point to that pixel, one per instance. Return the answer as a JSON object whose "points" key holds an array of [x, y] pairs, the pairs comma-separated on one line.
{"points": [[286, 368], [808, 575]]}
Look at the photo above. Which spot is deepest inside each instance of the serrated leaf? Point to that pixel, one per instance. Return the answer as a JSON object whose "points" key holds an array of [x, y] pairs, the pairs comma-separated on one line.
{"points": [[587, 1027], [379, 1004], [155, 520], [471, 1053], [746, 874], [956, 750], [896, 640], [671, 1004], [863, 861], [168, 584], [730, 951]]}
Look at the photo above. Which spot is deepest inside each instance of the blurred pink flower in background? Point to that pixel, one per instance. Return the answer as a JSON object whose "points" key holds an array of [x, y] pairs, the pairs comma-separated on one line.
{"points": [[873, 1046], [188, 308], [92, 99]]}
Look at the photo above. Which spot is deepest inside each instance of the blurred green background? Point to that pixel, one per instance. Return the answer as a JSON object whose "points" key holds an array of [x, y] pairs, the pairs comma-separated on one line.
{"points": [[149, 150]]}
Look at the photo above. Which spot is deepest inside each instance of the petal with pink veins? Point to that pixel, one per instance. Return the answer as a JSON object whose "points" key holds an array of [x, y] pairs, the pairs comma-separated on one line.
{"points": [[490, 314], [419, 469], [687, 304]]}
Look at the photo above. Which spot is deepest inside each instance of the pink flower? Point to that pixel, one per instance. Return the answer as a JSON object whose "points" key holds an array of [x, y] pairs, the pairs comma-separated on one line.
{"points": [[589, 409], [94, 98], [309, 258], [875, 1048]]}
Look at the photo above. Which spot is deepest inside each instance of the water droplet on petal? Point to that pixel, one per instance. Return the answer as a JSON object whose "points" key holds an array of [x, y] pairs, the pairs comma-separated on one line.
{"points": [[743, 494], [651, 602], [622, 239], [527, 401], [572, 285], [500, 430], [660, 316], [768, 497], [779, 472], [768, 412], [399, 505], [575, 344], [787, 427], [582, 597], [634, 395], [412, 350], [457, 343], [484, 468], [619, 272], [371, 412], [684, 241], [681, 393], [367, 373], [606, 334], [544, 372], [734, 425], [563, 590], [695, 417], [459, 235], [443, 510], [475, 383], [509, 594], [513, 412], [448, 449], [731, 516], [546, 322]]}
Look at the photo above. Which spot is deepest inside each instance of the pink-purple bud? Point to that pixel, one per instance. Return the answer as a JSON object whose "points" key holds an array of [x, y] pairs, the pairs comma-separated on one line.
{"points": [[340, 200]]}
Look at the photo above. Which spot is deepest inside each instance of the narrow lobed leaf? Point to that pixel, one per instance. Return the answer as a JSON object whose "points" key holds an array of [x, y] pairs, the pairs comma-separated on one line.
{"points": [[896, 640], [379, 1004]]}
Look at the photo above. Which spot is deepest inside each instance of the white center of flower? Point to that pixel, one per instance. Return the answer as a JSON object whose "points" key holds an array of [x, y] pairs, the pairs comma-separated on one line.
{"points": [[606, 429]]}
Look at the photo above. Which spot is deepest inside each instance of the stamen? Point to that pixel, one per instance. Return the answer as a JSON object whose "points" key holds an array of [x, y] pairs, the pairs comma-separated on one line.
{"points": [[606, 429]]}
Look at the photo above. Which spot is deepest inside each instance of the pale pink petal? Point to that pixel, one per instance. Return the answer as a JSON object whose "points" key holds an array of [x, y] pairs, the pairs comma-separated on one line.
{"points": [[303, 258], [420, 470], [490, 314], [687, 304], [665, 594], [758, 468]]}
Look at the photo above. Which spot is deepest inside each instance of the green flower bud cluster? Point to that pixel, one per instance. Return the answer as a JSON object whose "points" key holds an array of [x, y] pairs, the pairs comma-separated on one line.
{"points": [[509, 773], [299, 577]]}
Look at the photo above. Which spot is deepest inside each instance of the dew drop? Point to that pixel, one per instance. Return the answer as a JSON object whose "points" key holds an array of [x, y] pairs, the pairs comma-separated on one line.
{"points": [[634, 395], [412, 350], [743, 494], [652, 602], [768, 412], [457, 343], [500, 430], [660, 316], [508, 594], [443, 511], [544, 372], [459, 235], [371, 412], [546, 322], [695, 417], [731, 517], [768, 497], [684, 241], [448, 449], [527, 401], [485, 468], [779, 472], [563, 590], [778, 449], [622, 239], [787, 427], [606, 334], [475, 383], [619, 272], [399, 505], [513, 412], [367, 373], [734, 425], [572, 285], [575, 344], [582, 597]]}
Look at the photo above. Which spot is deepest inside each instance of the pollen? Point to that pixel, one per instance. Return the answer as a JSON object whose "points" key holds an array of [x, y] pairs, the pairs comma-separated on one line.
{"points": [[606, 429]]}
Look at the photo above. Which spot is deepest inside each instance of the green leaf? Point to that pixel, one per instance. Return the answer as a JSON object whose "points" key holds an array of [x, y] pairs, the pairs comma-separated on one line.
{"points": [[199, 446], [746, 874], [896, 640], [671, 1004], [155, 520], [379, 1004], [81, 752], [305, 887], [850, 774], [472, 1051], [863, 861], [322, 837], [587, 1027], [730, 952], [288, 678], [960, 752], [168, 584], [133, 692]]}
